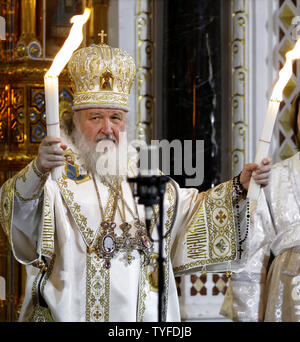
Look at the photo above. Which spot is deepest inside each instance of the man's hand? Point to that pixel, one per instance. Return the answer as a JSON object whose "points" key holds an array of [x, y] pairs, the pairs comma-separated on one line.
{"points": [[50, 154], [261, 173]]}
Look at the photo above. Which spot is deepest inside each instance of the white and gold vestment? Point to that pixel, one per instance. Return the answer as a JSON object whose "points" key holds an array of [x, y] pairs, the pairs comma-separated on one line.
{"points": [[53, 227], [260, 292]]}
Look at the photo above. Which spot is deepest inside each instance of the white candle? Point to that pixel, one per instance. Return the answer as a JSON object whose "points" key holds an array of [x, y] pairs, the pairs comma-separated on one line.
{"points": [[52, 114], [51, 78], [265, 140], [264, 144]]}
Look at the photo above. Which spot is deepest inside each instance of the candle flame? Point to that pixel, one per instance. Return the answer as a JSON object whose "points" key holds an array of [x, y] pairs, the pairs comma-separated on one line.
{"points": [[286, 72], [70, 45]]}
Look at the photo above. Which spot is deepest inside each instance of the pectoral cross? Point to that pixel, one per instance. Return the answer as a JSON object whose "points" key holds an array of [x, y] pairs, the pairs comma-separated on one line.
{"points": [[240, 250], [102, 35]]}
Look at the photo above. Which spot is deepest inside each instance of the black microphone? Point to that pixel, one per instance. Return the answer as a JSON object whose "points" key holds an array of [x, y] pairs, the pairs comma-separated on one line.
{"points": [[145, 184], [150, 187]]}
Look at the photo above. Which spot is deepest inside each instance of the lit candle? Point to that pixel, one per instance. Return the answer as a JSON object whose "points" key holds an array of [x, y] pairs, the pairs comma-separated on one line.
{"points": [[52, 114], [266, 136], [51, 78]]}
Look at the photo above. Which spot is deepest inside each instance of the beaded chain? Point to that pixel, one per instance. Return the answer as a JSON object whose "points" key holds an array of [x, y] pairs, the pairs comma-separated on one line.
{"points": [[240, 193]]}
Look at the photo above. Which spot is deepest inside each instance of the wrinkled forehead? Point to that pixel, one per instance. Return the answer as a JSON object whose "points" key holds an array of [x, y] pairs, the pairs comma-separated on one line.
{"points": [[102, 112]]}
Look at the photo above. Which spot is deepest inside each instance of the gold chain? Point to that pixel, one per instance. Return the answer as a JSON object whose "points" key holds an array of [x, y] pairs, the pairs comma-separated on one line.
{"points": [[120, 195], [117, 192], [140, 241], [102, 211], [99, 199]]}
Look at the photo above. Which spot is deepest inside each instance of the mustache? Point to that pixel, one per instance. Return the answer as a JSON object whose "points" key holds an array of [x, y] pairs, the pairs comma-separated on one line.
{"points": [[106, 137]]}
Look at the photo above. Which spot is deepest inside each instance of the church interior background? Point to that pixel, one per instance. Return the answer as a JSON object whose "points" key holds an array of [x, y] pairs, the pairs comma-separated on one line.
{"points": [[205, 70]]}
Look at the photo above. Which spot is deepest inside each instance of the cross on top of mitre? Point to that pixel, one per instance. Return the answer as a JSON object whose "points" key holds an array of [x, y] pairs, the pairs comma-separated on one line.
{"points": [[102, 35]]}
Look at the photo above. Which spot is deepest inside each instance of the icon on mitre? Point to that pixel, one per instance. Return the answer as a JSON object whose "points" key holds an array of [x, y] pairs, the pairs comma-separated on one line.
{"points": [[106, 81]]}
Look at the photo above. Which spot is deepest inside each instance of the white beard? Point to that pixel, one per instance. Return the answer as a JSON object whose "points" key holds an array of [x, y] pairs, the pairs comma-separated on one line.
{"points": [[105, 157]]}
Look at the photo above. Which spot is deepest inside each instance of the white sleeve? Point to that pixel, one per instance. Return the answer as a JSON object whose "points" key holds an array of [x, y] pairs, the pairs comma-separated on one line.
{"points": [[244, 301], [27, 213], [26, 220], [30, 182]]}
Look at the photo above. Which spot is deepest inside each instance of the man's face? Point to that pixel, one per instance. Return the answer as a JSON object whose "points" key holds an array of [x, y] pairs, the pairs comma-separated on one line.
{"points": [[95, 123]]}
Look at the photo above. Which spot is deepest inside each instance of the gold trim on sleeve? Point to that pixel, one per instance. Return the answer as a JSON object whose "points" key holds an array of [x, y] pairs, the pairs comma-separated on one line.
{"points": [[6, 205], [210, 237]]}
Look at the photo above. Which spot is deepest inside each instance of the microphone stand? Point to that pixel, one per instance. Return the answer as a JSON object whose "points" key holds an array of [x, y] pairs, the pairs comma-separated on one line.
{"points": [[150, 190]]}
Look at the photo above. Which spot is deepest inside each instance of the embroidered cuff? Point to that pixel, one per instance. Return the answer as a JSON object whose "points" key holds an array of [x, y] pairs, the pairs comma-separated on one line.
{"points": [[30, 182]]}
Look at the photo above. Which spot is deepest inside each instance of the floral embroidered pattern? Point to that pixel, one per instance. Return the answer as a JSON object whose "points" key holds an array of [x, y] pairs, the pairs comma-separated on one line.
{"points": [[211, 235]]}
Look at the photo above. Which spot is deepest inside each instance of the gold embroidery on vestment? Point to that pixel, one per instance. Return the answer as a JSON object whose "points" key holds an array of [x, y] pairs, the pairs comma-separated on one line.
{"points": [[6, 206], [215, 216]]}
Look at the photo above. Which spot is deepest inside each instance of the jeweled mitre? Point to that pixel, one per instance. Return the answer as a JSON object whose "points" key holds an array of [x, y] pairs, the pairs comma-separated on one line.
{"points": [[102, 77]]}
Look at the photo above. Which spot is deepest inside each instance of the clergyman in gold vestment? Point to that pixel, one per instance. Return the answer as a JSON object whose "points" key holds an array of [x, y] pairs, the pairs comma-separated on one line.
{"points": [[83, 239]]}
